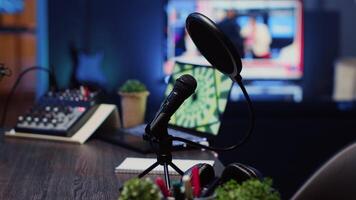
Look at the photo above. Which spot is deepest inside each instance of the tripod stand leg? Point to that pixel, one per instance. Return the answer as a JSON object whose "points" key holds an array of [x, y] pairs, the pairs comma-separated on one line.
{"points": [[180, 172], [154, 165], [166, 175]]}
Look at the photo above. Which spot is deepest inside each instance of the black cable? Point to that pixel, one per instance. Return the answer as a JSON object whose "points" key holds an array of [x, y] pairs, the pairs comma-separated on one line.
{"points": [[244, 139], [13, 89]]}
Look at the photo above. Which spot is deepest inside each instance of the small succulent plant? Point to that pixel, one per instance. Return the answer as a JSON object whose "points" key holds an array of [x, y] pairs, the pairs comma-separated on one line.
{"points": [[132, 85], [140, 189], [249, 190]]}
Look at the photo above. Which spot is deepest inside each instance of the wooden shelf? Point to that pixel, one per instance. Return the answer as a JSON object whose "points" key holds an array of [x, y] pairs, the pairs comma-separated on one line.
{"points": [[16, 30], [18, 47]]}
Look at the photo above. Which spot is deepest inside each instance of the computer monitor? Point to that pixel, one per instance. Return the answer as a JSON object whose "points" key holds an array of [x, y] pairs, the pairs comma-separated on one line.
{"points": [[202, 112], [268, 35]]}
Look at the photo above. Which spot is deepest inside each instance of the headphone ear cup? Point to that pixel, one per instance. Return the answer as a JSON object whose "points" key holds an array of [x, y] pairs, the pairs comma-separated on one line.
{"points": [[239, 172], [206, 173], [236, 171], [256, 174]]}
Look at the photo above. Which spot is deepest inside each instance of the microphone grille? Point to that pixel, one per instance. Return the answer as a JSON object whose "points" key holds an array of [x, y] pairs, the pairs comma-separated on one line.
{"points": [[186, 84]]}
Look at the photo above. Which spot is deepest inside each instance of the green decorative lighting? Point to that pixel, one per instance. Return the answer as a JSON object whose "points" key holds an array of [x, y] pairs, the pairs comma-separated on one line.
{"points": [[203, 110]]}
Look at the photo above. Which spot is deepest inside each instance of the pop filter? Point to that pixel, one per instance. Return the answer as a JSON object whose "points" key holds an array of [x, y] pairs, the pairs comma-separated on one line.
{"points": [[214, 45]]}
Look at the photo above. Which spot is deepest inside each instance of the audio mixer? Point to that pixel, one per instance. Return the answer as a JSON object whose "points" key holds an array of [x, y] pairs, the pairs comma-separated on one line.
{"points": [[60, 113]]}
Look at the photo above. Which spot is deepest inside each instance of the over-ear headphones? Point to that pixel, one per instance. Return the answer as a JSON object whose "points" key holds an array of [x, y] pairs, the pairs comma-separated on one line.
{"points": [[239, 172], [236, 171]]}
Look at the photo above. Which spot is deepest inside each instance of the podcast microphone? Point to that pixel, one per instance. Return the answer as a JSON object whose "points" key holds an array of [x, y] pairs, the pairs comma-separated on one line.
{"points": [[156, 132], [183, 88]]}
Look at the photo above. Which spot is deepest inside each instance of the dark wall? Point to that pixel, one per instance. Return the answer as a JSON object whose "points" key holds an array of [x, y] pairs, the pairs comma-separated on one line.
{"points": [[129, 33], [329, 36], [321, 50], [65, 20], [346, 10]]}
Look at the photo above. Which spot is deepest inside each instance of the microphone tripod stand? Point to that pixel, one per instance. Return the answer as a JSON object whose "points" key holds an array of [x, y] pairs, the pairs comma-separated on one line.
{"points": [[164, 156]]}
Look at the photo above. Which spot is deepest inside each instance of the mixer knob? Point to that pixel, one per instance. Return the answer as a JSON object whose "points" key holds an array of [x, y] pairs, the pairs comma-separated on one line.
{"points": [[36, 119], [66, 109], [54, 122], [20, 118], [55, 109], [28, 118], [48, 108], [45, 120]]}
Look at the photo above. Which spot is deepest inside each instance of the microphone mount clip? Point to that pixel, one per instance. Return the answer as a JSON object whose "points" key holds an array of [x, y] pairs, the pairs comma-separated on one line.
{"points": [[164, 145]]}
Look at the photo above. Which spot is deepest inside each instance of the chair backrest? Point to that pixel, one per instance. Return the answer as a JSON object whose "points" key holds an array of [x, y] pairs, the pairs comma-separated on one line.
{"points": [[336, 179]]}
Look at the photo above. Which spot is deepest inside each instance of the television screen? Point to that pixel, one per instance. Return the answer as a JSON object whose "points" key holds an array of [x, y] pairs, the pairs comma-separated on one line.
{"points": [[268, 35], [11, 6]]}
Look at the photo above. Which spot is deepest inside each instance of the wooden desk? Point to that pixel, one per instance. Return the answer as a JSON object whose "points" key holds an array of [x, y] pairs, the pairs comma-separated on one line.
{"points": [[34, 169]]}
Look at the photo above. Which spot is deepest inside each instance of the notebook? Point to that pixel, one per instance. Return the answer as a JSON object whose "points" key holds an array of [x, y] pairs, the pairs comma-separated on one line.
{"points": [[197, 119], [138, 165]]}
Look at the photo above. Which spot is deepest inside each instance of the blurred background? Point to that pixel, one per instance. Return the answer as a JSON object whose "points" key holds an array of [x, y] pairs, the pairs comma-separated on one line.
{"points": [[299, 62]]}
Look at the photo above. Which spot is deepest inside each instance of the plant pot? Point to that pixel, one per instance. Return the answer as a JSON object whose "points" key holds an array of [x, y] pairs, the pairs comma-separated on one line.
{"points": [[133, 106]]}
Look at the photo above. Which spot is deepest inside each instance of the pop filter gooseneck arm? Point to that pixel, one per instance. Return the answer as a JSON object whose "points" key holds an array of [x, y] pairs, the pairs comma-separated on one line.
{"points": [[214, 45]]}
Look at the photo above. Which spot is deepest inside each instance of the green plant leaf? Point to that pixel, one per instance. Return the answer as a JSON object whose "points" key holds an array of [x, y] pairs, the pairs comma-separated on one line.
{"points": [[139, 189], [252, 189], [132, 85]]}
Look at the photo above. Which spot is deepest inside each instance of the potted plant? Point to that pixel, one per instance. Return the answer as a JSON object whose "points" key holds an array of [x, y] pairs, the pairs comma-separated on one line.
{"points": [[133, 102], [140, 189], [249, 190]]}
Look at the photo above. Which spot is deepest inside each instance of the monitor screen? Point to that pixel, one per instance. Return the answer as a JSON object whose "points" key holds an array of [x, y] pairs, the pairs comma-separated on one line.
{"points": [[11, 6], [268, 35], [201, 112]]}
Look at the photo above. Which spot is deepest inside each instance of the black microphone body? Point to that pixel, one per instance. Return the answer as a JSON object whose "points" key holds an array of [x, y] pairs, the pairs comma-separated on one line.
{"points": [[183, 88]]}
